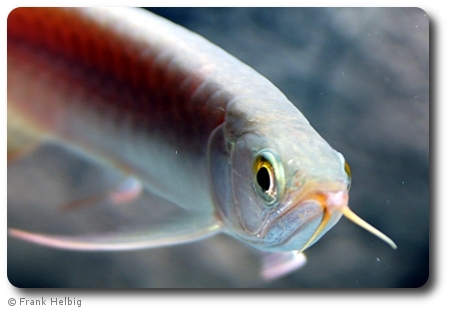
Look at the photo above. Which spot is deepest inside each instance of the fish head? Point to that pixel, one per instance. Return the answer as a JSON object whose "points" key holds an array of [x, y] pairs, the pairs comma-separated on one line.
{"points": [[278, 185], [272, 182]]}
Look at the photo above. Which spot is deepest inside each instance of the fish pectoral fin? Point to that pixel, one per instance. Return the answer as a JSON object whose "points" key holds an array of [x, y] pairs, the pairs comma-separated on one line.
{"points": [[182, 230], [278, 264], [128, 190]]}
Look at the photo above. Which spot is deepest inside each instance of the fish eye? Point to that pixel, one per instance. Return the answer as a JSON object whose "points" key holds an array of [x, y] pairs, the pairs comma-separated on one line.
{"points": [[349, 174], [268, 177]]}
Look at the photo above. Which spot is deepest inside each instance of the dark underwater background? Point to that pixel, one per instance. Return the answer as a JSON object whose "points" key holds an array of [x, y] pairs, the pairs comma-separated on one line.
{"points": [[360, 75]]}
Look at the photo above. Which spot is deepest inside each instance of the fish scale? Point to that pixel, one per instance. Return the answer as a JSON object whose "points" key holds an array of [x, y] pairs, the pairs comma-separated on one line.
{"points": [[131, 80]]}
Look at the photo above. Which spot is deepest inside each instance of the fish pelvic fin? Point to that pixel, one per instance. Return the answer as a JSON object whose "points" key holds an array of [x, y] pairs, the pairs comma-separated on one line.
{"points": [[182, 230], [278, 264]]}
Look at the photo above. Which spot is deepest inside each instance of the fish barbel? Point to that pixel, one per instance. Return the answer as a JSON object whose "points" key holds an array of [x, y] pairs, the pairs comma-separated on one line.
{"points": [[194, 124]]}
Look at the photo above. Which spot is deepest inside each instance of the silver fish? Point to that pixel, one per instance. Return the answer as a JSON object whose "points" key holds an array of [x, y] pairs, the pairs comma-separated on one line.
{"points": [[194, 124]]}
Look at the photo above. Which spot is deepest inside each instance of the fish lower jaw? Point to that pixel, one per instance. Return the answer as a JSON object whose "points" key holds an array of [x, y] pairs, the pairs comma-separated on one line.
{"points": [[291, 230]]}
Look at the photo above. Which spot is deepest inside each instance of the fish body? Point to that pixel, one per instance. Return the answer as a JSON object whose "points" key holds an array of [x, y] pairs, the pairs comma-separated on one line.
{"points": [[194, 124]]}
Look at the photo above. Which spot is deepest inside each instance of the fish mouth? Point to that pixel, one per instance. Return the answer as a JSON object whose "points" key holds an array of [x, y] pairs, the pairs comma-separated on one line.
{"points": [[307, 219], [332, 204]]}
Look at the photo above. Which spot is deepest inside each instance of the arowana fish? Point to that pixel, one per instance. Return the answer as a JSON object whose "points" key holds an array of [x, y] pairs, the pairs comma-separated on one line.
{"points": [[192, 123]]}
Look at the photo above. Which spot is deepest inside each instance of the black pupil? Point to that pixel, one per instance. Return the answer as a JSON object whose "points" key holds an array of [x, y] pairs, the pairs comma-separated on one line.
{"points": [[263, 178]]}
